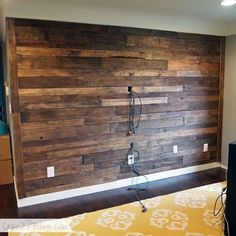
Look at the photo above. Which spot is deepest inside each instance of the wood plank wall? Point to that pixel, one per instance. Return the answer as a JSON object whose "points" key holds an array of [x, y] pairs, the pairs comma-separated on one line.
{"points": [[70, 101]]}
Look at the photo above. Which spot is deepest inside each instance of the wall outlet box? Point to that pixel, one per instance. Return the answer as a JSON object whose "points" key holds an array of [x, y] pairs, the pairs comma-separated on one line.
{"points": [[205, 147], [175, 149], [7, 90], [130, 159], [50, 171], [10, 110]]}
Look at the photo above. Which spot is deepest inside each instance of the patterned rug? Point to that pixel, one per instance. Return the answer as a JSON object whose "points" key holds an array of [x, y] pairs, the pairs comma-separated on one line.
{"points": [[186, 213]]}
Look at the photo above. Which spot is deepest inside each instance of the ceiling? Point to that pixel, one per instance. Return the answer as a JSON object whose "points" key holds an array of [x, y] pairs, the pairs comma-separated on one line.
{"points": [[201, 9], [196, 16]]}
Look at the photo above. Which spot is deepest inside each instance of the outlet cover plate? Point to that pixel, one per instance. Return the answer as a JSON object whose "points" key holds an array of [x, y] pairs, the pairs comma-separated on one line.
{"points": [[175, 149], [205, 147], [130, 159], [50, 171]]}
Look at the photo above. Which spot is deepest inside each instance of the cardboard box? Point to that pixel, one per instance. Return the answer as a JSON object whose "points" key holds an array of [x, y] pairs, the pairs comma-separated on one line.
{"points": [[6, 176], [5, 150]]}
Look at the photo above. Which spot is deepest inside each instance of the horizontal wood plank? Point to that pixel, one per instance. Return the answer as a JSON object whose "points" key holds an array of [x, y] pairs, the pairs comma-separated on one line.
{"points": [[106, 90]]}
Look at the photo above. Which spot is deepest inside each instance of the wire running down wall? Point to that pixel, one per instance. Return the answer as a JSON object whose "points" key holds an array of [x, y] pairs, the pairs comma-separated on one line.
{"points": [[70, 103]]}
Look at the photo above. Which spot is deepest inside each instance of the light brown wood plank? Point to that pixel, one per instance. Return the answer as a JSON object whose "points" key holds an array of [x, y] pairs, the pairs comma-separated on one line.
{"points": [[69, 91], [125, 102]]}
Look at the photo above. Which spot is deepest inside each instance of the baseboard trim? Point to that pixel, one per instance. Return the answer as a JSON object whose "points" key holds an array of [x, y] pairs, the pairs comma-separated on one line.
{"points": [[108, 186], [223, 167]]}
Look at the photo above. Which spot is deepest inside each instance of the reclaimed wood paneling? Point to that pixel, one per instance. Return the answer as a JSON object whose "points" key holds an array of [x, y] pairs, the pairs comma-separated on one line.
{"points": [[70, 92], [15, 108]]}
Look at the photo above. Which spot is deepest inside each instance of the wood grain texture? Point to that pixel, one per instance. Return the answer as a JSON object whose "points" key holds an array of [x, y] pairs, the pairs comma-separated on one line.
{"points": [[221, 97], [15, 115], [73, 105]]}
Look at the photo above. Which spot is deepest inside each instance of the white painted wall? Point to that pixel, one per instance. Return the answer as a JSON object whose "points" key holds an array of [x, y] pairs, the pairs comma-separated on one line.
{"points": [[1, 21], [230, 28], [134, 13], [229, 113]]}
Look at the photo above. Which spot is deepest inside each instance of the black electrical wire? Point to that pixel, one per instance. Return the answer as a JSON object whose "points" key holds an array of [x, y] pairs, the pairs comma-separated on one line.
{"points": [[220, 197], [132, 130], [136, 190], [138, 174], [144, 209], [133, 111], [222, 209]]}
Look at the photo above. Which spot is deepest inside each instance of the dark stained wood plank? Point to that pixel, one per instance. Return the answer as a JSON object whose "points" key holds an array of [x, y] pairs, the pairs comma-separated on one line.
{"points": [[53, 82], [61, 132], [156, 42], [61, 114], [97, 90], [130, 63], [199, 117], [52, 124], [35, 62], [221, 97], [34, 34]]}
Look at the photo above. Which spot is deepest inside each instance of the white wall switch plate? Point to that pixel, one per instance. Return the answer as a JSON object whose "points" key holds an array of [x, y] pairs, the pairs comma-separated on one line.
{"points": [[175, 149], [205, 147], [50, 171]]}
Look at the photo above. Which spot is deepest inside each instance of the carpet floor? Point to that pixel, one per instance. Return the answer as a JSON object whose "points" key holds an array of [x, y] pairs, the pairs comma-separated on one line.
{"points": [[185, 213]]}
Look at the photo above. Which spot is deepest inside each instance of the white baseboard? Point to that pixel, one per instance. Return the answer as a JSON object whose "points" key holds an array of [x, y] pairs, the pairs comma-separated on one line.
{"points": [[108, 186], [223, 167]]}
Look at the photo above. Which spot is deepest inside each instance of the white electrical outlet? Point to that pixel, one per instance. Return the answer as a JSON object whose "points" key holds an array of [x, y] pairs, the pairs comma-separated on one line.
{"points": [[205, 147], [50, 171], [175, 149], [130, 159], [7, 91], [10, 110]]}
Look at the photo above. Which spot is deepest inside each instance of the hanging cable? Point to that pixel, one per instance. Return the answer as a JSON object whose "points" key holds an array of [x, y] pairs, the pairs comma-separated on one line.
{"points": [[222, 209], [134, 154], [221, 198], [133, 125]]}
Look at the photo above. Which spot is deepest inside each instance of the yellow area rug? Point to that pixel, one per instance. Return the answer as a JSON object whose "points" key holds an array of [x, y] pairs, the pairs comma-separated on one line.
{"points": [[186, 213]]}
